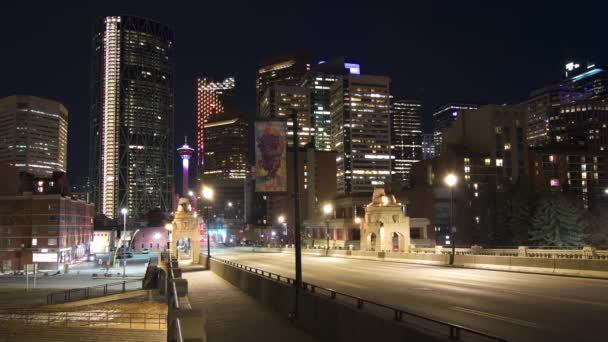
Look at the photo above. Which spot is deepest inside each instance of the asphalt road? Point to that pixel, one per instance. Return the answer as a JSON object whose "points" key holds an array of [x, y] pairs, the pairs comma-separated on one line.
{"points": [[516, 306]]}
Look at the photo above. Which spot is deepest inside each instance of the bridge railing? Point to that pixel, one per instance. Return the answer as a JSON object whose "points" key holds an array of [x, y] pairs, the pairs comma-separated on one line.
{"points": [[176, 333], [122, 320], [71, 295], [454, 331]]}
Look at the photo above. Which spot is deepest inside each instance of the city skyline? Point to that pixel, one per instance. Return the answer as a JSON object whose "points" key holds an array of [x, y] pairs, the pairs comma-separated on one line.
{"points": [[416, 67]]}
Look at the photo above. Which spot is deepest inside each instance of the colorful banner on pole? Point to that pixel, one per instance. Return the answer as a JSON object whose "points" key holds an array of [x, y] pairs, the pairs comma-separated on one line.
{"points": [[270, 156]]}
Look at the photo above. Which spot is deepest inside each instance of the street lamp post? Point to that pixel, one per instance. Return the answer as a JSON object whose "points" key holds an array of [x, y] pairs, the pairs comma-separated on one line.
{"points": [[451, 180], [124, 212], [359, 221], [169, 228], [327, 210], [208, 195], [281, 220]]}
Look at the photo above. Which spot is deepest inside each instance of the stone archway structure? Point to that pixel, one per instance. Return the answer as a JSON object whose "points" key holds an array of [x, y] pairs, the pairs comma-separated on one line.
{"points": [[185, 225], [383, 218]]}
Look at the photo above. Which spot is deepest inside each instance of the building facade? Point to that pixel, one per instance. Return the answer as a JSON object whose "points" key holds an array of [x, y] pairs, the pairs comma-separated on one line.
{"points": [[281, 102], [360, 130], [582, 123], [428, 146], [319, 80], [285, 69], [212, 97], [132, 109], [40, 223], [406, 139], [444, 117], [33, 134], [226, 168]]}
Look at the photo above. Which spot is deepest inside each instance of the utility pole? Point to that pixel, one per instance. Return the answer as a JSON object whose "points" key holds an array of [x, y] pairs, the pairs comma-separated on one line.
{"points": [[296, 211]]}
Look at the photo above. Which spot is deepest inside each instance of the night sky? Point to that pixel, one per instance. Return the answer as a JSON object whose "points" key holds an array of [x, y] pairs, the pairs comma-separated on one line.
{"points": [[440, 53]]}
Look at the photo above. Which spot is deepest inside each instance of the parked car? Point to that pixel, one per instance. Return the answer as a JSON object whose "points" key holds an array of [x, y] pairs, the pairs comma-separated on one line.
{"points": [[145, 251]]}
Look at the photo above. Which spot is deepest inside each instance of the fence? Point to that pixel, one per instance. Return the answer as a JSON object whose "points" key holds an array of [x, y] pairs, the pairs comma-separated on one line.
{"points": [[538, 252], [454, 331], [86, 319], [90, 292]]}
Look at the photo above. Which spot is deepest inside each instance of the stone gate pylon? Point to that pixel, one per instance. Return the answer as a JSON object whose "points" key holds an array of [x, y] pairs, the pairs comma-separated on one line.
{"points": [[384, 219], [185, 225]]}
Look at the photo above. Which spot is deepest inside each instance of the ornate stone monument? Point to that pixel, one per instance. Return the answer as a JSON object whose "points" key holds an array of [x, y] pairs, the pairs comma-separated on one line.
{"points": [[185, 225], [385, 228]]}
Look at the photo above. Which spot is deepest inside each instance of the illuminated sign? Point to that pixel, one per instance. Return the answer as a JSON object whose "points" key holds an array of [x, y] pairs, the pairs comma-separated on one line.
{"points": [[554, 182], [354, 69], [44, 257]]}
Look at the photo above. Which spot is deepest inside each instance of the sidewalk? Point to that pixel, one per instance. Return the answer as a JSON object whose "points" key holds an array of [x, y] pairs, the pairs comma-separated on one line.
{"points": [[234, 316]]}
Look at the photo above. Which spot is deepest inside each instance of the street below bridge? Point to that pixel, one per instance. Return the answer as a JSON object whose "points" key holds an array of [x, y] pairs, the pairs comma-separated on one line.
{"points": [[515, 306]]}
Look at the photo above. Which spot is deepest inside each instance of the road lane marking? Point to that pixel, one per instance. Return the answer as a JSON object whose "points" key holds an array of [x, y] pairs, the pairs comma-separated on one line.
{"points": [[346, 283], [497, 317]]}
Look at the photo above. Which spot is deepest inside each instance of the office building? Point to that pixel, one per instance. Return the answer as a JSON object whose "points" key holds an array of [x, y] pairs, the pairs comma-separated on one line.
{"points": [[226, 167], [574, 170], [591, 81], [132, 109], [212, 98], [360, 129], [406, 139], [285, 69], [444, 117], [33, 134], [543, 109], [486, 150], [41, 223], [582, 123], [428, 146], [280, 102], [319, 80]]}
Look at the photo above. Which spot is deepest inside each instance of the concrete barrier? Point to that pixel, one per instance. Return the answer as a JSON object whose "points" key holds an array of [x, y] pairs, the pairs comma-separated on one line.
{"points": [[322, 317]]}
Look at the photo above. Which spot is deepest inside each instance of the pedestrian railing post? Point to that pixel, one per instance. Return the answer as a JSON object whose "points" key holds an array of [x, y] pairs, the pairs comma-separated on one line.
{"points": [[454, 333], [333, 294], [124, 286]]}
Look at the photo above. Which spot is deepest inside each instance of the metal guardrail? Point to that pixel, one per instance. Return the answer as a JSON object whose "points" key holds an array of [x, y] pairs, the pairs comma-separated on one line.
{"points": [[454, 330], [71, 295], [85, 319], [177, 331]]}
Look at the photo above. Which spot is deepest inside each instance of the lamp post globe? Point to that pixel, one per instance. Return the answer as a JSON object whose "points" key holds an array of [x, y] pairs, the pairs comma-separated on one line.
{"points": [[450, 180]]}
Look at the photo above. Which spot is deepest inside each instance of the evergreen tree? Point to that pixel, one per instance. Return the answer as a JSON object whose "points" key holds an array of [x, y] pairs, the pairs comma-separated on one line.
{"points": [[557, 223]]}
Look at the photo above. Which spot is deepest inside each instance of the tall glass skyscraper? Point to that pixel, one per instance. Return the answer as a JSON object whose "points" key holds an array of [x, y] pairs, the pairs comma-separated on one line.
{"points": [[444, 117], [406, 139], [132, 96], [319, 81]]}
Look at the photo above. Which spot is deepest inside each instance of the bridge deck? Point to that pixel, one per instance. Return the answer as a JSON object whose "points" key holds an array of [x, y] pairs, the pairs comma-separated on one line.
{"points": [[234, 316]]}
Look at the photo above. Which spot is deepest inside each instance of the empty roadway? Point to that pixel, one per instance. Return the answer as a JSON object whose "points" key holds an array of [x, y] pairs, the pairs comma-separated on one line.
{"points": [[516, 306]]}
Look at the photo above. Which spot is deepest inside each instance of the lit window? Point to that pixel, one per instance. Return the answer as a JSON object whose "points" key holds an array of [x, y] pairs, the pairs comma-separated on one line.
{"points": [[498, 162], [507, 146], [498, 130], [467, 169], [487, 161], [551, 158], [34, 242]]}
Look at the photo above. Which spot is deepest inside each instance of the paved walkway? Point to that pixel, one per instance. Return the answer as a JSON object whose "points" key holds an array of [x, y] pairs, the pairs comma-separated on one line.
{"points": [[234, 316], [58, 334]]}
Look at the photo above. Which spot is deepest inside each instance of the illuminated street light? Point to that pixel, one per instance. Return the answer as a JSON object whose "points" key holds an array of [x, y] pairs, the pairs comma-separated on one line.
{"points": [[207, 192], [450, 180], [281, 219], [357, 220], [124, 212], [230, 204], [190, 193], [327, 210]]}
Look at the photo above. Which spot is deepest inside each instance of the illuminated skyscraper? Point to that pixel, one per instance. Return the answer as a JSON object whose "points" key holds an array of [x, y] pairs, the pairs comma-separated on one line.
{"points": [[406, 139], [319, 80], [131, 159], [185, 152], [444, 117], [360, 131], [33, 134], [211, 98], [280, 102], [286, 69]]}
